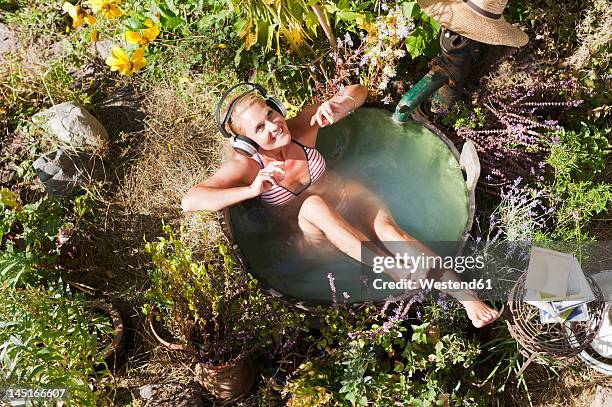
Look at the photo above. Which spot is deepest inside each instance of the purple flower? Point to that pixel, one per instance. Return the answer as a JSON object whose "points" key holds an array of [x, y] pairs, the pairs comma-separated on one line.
{"points": [[331, 280], [348, 40], [441, 301]]}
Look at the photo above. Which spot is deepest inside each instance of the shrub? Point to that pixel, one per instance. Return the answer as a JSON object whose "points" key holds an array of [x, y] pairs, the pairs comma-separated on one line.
{"points": [[417, 365], [46, 341], [29, 239], [212, 305]]}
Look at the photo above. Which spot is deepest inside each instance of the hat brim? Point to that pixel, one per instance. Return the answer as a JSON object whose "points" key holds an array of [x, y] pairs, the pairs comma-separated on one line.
{"points": [[457, 16]]}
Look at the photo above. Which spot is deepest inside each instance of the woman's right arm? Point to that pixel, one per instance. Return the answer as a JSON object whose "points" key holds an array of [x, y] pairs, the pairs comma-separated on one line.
{"points": [[234, 182]]}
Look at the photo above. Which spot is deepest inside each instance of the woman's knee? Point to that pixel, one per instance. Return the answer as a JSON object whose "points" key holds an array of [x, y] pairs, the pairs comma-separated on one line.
{"points": [[312, 206], [386, 229]]}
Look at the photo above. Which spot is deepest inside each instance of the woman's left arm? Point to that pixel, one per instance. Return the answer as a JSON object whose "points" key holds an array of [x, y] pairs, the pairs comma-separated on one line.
{"points": [[340, 105]]}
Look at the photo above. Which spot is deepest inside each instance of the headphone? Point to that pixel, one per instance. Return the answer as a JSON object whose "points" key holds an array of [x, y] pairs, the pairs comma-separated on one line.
{"points": [[242, 144]]}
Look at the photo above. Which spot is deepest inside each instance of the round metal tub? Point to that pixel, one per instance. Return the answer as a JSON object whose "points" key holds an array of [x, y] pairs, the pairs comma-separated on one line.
{"points": [[427, 185]]}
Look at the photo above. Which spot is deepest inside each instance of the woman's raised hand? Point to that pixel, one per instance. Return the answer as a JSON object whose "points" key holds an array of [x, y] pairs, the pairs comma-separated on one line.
{"points": [[267, 177], [326, 114]]}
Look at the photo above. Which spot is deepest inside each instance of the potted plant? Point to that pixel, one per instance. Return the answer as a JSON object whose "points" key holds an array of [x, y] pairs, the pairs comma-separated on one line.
{"points": [[214, 310]]}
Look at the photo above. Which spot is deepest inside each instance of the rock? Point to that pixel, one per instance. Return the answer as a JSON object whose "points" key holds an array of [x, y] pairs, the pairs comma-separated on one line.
{"points": [[603, 397], [172, 395], [74, 126], [63, 173], [8, 41], [104, 48], [146, 392]]}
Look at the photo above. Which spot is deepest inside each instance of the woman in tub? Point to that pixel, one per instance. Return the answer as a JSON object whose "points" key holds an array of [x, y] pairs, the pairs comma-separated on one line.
{"points": [[276, 161]]}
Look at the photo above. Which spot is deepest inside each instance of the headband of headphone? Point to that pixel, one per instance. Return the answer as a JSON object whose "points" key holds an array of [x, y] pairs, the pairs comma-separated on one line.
{"points": [[270, 101]]}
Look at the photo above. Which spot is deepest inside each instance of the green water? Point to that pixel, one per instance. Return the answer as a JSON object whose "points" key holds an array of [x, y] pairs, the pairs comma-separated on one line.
{"points": [[408, 166]]}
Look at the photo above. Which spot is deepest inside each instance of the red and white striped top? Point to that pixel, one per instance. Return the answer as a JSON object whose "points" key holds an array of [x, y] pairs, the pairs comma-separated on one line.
{"points": [[279, 195]]}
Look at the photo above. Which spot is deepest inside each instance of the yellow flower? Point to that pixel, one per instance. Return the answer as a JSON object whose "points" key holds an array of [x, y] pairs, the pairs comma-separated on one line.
{"points": [[89, 19], [148, 35], [78, 14], [94, 35], [222, 46], [110, 8], [120, 61]]}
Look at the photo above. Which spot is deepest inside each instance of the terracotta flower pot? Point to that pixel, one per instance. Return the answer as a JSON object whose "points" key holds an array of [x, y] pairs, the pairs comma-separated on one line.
{"points": [[228, 382], [169, 345]]}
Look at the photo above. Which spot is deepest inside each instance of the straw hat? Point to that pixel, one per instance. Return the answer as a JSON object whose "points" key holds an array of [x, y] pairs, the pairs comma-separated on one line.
{"points": [[479, 20]]}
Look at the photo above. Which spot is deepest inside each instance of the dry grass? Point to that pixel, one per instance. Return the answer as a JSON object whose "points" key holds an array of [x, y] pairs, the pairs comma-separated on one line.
{"points": [[595, 35], [173, 147], [575, 387]]}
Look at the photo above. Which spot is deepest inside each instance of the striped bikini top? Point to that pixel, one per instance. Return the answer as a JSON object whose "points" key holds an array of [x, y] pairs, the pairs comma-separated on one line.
{"points": [[279, 195]]}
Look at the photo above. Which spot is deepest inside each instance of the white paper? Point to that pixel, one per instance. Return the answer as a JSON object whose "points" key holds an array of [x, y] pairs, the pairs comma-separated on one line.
{"points": [[548, 272]]}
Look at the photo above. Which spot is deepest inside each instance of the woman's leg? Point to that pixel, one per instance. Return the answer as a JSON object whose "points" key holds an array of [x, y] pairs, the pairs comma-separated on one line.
{"points": [[321, 221], [378, 218]]}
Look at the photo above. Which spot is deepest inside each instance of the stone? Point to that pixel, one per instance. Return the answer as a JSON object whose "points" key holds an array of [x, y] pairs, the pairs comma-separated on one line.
{"points": [[64, 173], [74, 126], [8, 41], [146, 392], [603, 397], [171, 395], [103, 48]]}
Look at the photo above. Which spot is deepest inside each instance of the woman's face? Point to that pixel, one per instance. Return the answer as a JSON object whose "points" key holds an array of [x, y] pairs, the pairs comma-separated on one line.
{"points": [[265, 126]]}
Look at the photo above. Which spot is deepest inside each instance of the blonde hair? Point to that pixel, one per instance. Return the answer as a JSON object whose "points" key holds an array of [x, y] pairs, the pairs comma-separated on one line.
{"points": [[241, 106]]}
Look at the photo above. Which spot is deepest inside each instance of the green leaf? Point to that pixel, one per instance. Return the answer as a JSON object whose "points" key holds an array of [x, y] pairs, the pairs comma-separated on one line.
{"points": [[238, 55], [134, 23], [312, 22], [411, 9], [344, 15], [415, 43]]}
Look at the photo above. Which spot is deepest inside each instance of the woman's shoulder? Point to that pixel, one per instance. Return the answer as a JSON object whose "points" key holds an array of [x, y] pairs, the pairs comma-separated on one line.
{"points": [[245, 162], [235, 171]]}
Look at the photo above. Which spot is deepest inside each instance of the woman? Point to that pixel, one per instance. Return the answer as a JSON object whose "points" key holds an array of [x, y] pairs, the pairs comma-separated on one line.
{"points": [[281, 166]]}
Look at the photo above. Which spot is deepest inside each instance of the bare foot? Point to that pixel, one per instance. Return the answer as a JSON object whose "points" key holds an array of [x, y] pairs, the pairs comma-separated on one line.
{"points": [[480, 313]]}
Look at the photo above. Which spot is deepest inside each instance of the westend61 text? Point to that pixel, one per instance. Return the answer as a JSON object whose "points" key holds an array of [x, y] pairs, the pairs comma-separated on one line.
{"points": [[429, 284]]}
